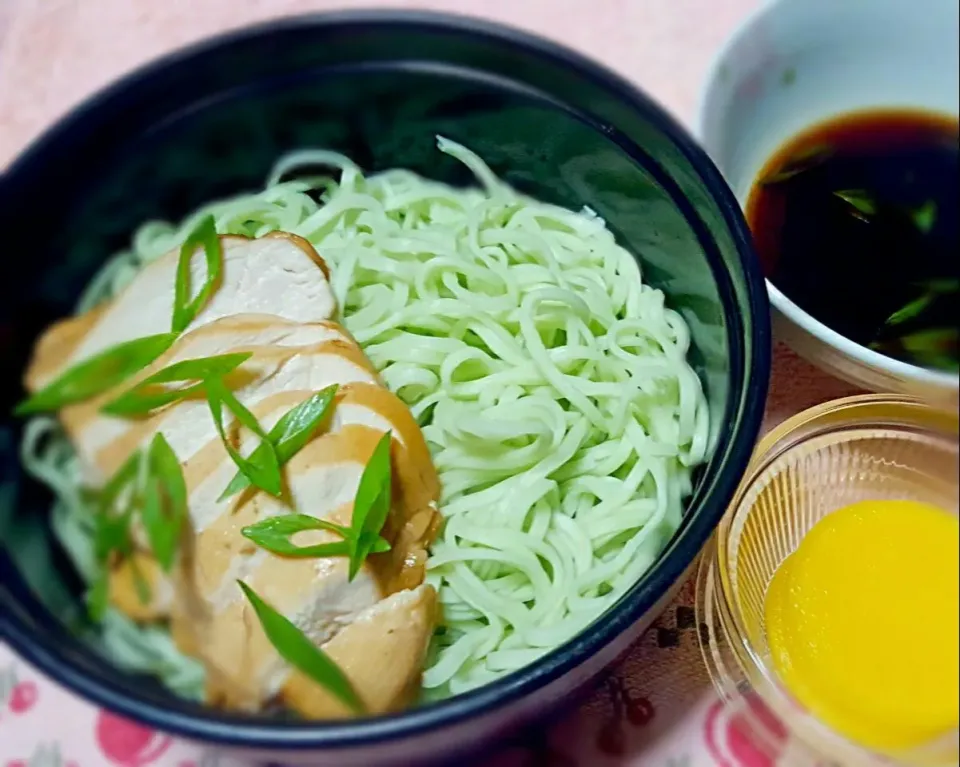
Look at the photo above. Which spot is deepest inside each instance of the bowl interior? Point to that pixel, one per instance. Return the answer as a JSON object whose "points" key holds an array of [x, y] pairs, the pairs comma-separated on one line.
{"points": [[211, 121]]}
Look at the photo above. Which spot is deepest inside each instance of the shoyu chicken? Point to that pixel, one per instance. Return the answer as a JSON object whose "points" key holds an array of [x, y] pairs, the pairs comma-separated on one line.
{"points": [[257, 487]]}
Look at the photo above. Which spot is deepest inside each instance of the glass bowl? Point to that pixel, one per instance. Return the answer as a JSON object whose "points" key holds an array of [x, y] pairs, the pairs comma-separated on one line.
{"points": [[859, 448]]}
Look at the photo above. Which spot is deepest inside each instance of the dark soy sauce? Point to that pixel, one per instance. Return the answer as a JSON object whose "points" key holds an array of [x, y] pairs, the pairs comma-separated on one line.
{"points": [[855, 220]]}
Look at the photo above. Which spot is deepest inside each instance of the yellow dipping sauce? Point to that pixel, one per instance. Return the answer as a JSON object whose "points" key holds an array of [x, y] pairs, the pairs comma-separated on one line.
{"points": [[862, 622]]}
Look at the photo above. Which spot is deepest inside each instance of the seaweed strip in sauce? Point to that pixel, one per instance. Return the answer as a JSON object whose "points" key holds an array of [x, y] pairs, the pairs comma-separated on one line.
{"points": [[855, 220]]}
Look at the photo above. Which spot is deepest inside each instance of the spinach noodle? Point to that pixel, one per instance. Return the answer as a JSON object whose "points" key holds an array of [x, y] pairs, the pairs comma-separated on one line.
{"points": [[552, 385]]}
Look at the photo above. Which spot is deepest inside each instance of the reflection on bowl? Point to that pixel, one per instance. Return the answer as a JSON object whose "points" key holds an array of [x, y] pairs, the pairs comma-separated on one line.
{"points": [[861, 448], [210, 122]]}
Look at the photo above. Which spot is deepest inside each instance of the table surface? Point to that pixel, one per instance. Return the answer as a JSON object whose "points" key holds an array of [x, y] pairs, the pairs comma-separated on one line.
{"points": [[656, 707]]}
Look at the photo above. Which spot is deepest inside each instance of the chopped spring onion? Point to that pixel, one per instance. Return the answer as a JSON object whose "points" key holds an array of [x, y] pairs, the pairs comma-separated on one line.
{"points": [[296, 649]]}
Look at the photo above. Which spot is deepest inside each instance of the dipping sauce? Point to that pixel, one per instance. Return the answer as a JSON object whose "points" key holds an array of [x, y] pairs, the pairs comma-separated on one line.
{"points": [[855, 220], [862, 622]]}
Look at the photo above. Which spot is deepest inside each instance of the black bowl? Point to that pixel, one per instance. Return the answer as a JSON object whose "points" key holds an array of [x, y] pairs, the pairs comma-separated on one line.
{"points": [[210, 120]]}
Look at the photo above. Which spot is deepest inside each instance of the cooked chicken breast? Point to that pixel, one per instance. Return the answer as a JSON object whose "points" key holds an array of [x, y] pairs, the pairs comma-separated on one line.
{"points": [[211, 613], [361, 414], [267, 337], [379, 623], [381, 651], [104, 442], [280, 274]]}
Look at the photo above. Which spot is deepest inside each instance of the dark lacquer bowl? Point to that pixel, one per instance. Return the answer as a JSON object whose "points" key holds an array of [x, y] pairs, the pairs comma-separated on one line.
{"points": [[209, 121]]}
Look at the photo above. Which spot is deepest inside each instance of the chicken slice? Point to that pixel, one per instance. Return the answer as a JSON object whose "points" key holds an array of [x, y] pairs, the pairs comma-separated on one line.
{"points": [[279, 274], [381, 651], [322, 478], [187, 424], [90, 430], [313, 592]]}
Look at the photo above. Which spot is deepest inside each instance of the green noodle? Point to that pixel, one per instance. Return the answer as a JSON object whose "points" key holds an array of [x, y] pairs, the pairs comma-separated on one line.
{"points": [[49, 456], [560, 410]]}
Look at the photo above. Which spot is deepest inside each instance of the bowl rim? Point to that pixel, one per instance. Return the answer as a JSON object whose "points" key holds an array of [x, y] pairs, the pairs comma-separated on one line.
{"points": [[791, 311], [745, 410]]}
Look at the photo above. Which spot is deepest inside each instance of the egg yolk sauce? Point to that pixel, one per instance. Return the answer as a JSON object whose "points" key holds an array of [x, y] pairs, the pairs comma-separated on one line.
{"points": [[862, 623]]}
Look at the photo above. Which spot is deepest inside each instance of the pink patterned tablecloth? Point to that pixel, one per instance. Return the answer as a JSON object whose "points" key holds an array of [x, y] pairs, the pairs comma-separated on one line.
{"points": [[656, 708]]}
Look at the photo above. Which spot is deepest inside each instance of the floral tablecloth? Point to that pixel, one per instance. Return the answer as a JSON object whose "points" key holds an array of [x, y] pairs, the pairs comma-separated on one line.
{"points": [[655, 708]]}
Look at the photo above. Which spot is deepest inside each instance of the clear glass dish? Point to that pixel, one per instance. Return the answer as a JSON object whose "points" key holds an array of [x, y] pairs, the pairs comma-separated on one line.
{"points": [[865, 447]]}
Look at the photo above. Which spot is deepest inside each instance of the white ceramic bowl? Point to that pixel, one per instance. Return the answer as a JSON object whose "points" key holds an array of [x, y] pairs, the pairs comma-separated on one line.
{"points": [[795, 63]]}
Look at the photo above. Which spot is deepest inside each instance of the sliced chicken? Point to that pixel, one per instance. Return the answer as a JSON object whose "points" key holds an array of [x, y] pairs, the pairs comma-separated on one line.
{"points": [[313, 592], [381, 651], [187, 424], [280, 274], [92, 431], [209, 613], [274, 302], [321, 478]]}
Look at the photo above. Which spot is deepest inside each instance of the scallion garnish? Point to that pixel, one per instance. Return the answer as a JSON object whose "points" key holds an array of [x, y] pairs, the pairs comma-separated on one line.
{"points": [[164, 508], [925, 216], [97, 374], [112, 529], [362, 538], [372, 503], [98, 595], [860, 200], [152, 484], [274, 535], [111, 538], [299, 651], [111, 532], [289, 434], [185, 309], [799, 163], [426, 416], [150, 394], [911, 310], [262, 468]]}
